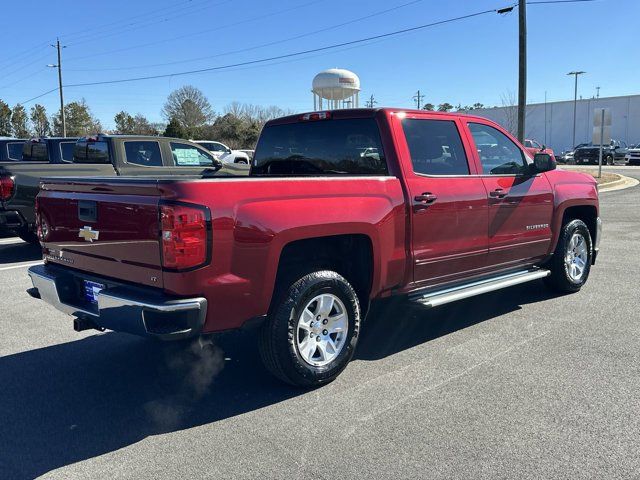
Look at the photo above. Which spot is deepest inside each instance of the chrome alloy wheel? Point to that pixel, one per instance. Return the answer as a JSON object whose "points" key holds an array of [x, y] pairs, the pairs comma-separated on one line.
{"points": [[322, 330], [576, 257]]}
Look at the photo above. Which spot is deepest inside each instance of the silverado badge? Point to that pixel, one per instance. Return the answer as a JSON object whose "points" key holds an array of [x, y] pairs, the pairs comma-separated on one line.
{"points": [[88, 234]]}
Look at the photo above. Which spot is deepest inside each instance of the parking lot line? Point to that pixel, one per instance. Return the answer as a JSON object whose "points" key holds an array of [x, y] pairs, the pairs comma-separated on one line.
{"points": [[10, 241], [20, 265]]}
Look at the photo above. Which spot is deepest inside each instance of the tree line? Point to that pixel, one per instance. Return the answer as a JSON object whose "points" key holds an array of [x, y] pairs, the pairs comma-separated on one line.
{"points": [[187, 113]]}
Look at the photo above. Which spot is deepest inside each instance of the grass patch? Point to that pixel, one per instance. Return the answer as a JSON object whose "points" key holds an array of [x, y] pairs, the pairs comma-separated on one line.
{"points": [[606, 176]]}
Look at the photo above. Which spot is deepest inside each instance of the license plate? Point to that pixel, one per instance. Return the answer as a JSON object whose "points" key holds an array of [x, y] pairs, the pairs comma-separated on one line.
{"points": [[91, 290]]}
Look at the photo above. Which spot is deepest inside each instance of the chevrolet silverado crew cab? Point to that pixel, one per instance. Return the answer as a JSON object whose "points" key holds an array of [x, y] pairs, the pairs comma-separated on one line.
{"points": [[340, 208], [102, 155]]}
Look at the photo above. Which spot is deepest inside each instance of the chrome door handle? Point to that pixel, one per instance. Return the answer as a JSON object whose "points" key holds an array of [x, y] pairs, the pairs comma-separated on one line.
{"points": [[498, 193], [426, 198]]}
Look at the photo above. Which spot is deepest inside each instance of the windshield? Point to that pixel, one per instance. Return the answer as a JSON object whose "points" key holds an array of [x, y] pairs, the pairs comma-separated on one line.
{"points": [[325, 147]]}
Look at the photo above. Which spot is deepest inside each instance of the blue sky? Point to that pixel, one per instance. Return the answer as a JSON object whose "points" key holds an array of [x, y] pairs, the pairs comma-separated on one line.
{"points": [[468, 61]]}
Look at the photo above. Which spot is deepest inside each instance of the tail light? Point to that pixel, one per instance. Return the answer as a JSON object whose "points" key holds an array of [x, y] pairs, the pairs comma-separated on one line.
{"points": [[7, 187], [185, 236]]}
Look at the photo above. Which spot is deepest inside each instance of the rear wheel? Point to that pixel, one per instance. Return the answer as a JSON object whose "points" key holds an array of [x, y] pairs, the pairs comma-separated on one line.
{"points": [[609, 160], [571, 261], [28, 236], [312, 332]]}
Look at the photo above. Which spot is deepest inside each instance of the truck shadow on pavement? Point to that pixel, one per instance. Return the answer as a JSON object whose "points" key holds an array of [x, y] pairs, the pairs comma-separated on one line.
{"points": [[19, 252], [70, 402]]}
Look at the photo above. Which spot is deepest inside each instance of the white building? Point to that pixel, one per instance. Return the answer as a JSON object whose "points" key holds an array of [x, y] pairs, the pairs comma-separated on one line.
{"points": [[552, 124]]}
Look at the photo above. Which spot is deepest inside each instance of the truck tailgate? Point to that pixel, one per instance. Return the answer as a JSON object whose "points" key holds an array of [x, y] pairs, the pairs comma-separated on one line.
{"points": [[104, 226]]}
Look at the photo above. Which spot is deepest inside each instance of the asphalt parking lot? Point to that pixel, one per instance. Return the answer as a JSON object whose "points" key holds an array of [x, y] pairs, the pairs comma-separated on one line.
{"points": [[514, 384]]}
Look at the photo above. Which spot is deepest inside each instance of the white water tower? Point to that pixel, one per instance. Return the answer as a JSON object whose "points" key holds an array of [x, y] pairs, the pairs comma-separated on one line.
{"points": [[339, 87]]}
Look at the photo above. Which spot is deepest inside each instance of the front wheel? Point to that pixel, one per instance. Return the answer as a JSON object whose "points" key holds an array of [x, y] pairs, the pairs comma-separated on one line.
{"points": [[312, 332], [609, 160], [571, 261]]}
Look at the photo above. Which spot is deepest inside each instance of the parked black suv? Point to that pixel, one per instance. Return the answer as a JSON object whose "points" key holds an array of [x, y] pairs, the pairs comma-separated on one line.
{"points": [[589, 154]]}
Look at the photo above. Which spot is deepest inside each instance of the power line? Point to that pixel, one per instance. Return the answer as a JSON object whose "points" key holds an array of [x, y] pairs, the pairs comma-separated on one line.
{"points": [[255, 47], [88, 31], [38, 96], [147, 22], [287, 55], [200, 32]]}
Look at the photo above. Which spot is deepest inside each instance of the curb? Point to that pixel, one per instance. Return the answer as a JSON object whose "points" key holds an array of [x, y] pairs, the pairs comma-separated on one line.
{"points": [[620, 184]]}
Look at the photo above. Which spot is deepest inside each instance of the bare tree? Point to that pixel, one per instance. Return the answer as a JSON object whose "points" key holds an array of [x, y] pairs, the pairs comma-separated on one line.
{"points": [[510, 109], [189, 107]]}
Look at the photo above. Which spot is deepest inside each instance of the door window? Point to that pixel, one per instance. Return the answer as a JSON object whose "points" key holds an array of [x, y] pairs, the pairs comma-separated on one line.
{"points": [[66, 151], [185, 155], [435, 147], [14, 150], [91, 152], [35, 152], [499, 155], [144, 153]]}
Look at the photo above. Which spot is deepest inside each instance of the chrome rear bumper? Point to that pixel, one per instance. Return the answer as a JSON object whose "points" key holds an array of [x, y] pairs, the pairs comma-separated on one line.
{"points": [[121, 308]]}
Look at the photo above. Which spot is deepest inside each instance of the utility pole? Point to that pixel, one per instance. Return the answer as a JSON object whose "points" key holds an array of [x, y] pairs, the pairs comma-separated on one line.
{"points": [[522, 74], [597, 92], [575, 103], [59, 66], [545, 118], [371, 102], [418, 99]]}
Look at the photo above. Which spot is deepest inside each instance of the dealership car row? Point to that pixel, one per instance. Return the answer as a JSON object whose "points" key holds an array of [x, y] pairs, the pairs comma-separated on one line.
{"points": [[24, 162]]}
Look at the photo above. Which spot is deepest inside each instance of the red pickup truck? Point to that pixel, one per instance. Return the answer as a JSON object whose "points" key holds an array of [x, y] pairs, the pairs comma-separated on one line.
{"points": [[340, 208]]}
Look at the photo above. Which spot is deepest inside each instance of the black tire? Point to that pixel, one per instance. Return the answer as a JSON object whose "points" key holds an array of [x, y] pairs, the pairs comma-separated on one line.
{"points": [[560, 280], [242, 161], [609, 160], [278, 343], [28, 236]]}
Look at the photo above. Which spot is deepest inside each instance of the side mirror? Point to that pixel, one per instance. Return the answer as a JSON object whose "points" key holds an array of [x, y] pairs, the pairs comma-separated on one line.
{"points": [[542, 162]]}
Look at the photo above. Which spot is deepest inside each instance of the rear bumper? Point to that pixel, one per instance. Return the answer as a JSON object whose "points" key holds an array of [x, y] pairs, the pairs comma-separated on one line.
{"points": [[120, 307]]}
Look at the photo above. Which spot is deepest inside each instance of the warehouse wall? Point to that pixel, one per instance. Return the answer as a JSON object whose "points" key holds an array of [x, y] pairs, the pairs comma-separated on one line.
{"points": [[625, 120]]}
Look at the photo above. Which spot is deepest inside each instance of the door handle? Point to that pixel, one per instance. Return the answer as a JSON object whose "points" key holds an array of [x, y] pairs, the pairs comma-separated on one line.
{"points": [[498, 193], [426, 198]]}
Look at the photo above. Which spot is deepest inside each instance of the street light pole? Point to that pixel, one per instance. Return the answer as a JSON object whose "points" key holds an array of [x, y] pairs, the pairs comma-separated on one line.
{"points": [[575, 103], [59, 66], [522, 75]]}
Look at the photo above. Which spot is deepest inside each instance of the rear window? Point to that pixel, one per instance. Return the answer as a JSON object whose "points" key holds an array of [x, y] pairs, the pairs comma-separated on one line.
{"points": [[325, 147], [14, 150], [91, 152], [35, 152], [143, 153], [66, 151]]}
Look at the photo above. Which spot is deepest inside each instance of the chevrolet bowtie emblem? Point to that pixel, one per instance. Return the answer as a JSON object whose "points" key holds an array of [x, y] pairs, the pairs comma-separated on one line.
{"points": [[88, 234]]}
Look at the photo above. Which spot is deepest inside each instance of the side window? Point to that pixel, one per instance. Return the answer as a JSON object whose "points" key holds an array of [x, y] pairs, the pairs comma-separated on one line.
{"points": [[143, 153], [91, 152], [35, 152], [435, 147], [14, 150], [498, 154], [66, 151], [185, 155]]}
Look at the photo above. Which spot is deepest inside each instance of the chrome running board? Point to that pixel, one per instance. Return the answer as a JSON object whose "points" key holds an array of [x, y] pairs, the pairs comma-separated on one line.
{"points": [[435, 298]]}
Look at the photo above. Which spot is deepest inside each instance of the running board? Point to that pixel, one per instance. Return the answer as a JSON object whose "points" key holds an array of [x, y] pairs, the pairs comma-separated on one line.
{"points": [[452, 294]]}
